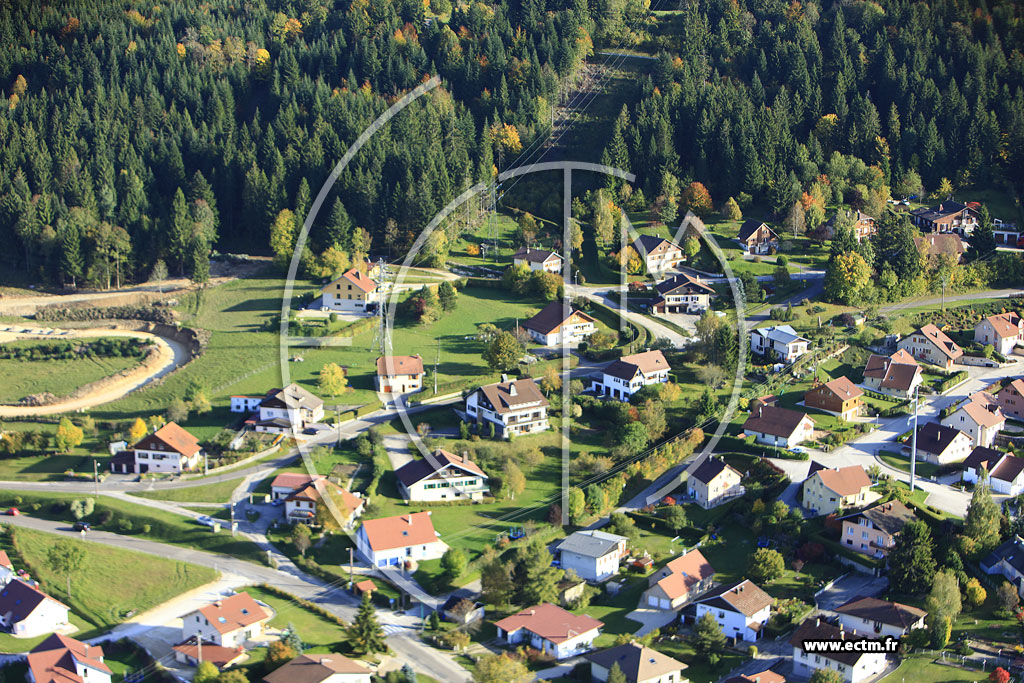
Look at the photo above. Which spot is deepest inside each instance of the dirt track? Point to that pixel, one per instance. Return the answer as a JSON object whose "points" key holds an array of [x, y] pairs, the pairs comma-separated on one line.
{"points": [[170, 355]]}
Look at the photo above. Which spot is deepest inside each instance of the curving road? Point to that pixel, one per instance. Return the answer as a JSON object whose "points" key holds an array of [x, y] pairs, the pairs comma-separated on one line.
{"points": [[171, 355]]}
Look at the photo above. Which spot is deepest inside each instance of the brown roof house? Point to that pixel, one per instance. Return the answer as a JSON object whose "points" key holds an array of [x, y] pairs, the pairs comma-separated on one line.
{"points": [[897, 375], [168, 449], [682, 293], [638, 663], [514, 407], [329, 668], [839, 397], [852, 665], [558, 322], [1011, 399], [939, 444], [779, 427], [979, 417], [947, 217], [399, 374], [741, 609], [873, 530], [765, 676], [538, 259], [713, 482], [444, 476], [932, 345], [629, 374], [829, 490], [1003, 330], [60, 659], [393, 541], [353, 292], [679, 581], [1004, 471], [757, 238], [658, 253], [229, 622], [934, 245], [550, 629], [880, 617], [305, 502]]}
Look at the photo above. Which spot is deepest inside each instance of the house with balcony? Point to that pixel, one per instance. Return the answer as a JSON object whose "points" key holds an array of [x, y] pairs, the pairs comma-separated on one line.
{"points": [[659, 254], [550, 629], [680, 581], [897, 375], [399, 374], [629, 374], [755, 237], [682, 293], [443, 476], [780, 342], [863, 225], [352, 292], [880, 617], [839, 397], [827, 490], [873, 530], [932, 345], [514, 407], [948, 216], [713, 483], [1004, 331], [169, 449], [538, 259], [558, 323], [593, 554], [280, 410], [979, 417], [780, 427], [741, 609]]}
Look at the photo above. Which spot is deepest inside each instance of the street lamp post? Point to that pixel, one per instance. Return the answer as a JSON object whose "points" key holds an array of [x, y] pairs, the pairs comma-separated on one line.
{"points": [[913, 442]]}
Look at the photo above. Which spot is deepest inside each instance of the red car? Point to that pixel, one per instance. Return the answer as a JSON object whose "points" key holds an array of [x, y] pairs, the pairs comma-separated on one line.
{"points": [[13, 512]]}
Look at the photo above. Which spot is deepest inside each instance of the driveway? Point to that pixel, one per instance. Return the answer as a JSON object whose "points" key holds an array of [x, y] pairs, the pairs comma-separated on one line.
{"points": [[849, 587]]}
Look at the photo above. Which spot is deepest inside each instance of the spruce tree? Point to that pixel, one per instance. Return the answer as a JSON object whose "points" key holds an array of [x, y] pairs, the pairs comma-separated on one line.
{"points": [[983, 516], [364, 633], [911, 562]]}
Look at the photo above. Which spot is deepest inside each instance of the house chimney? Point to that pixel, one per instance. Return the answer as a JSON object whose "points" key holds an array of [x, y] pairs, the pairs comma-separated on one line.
{"points": [[504, 377], [817, 622], [512, 391]]}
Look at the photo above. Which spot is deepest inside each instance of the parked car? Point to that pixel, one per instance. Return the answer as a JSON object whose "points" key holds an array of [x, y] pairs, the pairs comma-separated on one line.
{"points": [[277, 501], [205, 520], [13, 512], [82, 526]]}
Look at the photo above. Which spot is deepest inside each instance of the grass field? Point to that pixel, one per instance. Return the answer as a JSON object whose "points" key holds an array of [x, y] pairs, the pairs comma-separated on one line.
{"points": [[923, 669], [59, 377], [900, 462], [218, 492], [143, 581], [317, 633]]}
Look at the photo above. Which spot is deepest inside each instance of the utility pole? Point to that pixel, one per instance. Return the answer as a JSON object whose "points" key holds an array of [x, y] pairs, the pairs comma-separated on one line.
{"points": [[437, 360], [206, 464], [490, 220], [96, 476], [944, 280], [913, 442], [199, 644]]}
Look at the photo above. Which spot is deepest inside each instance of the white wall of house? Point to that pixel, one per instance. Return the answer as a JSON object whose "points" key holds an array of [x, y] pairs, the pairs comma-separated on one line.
{"points": [[575, 333], [552, 265], [722, 488], [736, 624], [980, 435], [394, 557], [592, 568], [985, 333], [245, 404], [527, 420], [799, 435], [400, 384], [621, 389], [577, 645], [195, 624], [959, 449], [867, 626], [867, 666], [464, 486], [165, 461], [46, 618]]}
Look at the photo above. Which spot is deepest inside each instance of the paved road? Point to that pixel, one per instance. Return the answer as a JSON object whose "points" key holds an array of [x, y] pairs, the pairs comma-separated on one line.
{"points": [[401, 636], [601, 295], [931, 301]]}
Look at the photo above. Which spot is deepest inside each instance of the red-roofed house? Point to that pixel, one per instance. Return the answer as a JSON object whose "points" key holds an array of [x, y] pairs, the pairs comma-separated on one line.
{"points": [[896, 375], [229, 622], [351, 292], [679, 581], [60, 659], [979, 417], [399, 374], [932, 345], [302, 494], [389, 541], [828, 490], [168, 449], [1003, 330], [550, 629]]}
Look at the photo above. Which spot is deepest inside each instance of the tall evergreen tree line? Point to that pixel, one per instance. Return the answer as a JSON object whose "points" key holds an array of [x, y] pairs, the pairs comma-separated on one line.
{"points": [[132, 134]]}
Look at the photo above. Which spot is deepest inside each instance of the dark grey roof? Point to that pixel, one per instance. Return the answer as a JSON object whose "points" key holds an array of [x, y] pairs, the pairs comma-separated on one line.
{"points": [[819, 629], [982, 456], [534, 255], [1012, 551], [935, 438], [774, 420], [892, 613], [1008, 468], [590, 543], [890, 517], [684, 282], [749, 227], [934, 213], [709, 469]]}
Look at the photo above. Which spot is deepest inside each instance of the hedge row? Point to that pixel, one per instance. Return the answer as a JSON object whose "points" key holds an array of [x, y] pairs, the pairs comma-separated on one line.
{"points": [[306, 604], [952, 380], [56, 313]]}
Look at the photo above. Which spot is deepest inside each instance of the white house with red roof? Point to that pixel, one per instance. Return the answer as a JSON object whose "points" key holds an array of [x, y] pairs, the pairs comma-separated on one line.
{"points": [[27, 612], [443, 476], [932, 345], [60, 659], [229, 622], [303, 494], [1003, 330], [169, 449], [979, 417], [550, 629], [350, 293], [399, 374], [390, 541], [679, 582]]}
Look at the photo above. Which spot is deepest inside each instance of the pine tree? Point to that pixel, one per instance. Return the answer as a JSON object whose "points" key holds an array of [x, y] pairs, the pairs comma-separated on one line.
{"points": [[983, 518], [180, 231], [365, 635], [982, 239], [708, 638], [911, 562], [536, 580]]}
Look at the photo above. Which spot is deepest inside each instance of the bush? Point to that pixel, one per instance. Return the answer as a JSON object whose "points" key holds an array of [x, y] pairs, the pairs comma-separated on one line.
{"points": [[125, 525]]}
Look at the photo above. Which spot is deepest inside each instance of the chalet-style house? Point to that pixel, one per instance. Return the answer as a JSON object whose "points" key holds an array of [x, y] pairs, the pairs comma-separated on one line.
{"points": [[304, 494], [391, 541], [932, 345], [741, 609], [350, 293], [1003, 330], [948, 216], [853, 666], [319, 668], [228, 622], [593, 554], [27, 612], [399, 374], [60, 659], [514, 407], [1011, 399], [682, 293], [897, 375], [873, 530], [935, 244], [979, 417], [629, 374], [714, 483], [658, 253], [538, 259], [638, 663], [557, 323], [780, 342], [679, 582], [940, 445], [839, 397], [781, 427], [1004, 471], [168, 449], [1007, 560], [863, 225], [444, 476], [828, 490], [880, 617], [550, 629], [280, 410], [755, 237]]}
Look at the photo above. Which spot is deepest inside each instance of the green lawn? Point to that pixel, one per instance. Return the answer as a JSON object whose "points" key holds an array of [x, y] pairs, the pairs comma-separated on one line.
{"points": [[924, 669], [143, 581], [318, 633], [901, 462], [218, 492], [59, 377]]}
